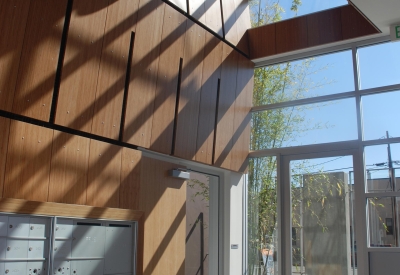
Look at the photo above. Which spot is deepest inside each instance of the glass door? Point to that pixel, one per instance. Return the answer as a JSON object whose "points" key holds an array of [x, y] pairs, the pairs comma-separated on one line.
{"points": [[318, 223]]}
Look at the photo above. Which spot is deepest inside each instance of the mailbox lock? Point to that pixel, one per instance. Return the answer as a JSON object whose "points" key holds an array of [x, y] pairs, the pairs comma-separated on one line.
{"points": [[8, 248], [32, 227], [11, 226], [55, 248], [56, 228], [30, 249], [7, 270]]}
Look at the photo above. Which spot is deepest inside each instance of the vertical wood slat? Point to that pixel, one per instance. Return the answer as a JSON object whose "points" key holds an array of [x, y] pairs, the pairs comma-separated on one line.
{"points": [[286, 39], [230, 26], [140, 101], [354, 24], [130, 179], [81, 64], [197, 10], [28, 162], [39, 58], [172, 43], [208, 101], [120, 23], [213, 15], [241, 123], [242, 24], [226, 108], [69, 168], [13, 17], [5, 131], [104, 175], [188, 112], [331, 30], [262, 41], [162, 198]]}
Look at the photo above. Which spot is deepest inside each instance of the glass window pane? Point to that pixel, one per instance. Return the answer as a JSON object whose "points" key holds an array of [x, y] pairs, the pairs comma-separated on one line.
{"points": [[382, 165], [322, 75], [379, 65], [322, 211], [269, 11], [383, 228], [303, 125], [380, 113], [262, 216]]}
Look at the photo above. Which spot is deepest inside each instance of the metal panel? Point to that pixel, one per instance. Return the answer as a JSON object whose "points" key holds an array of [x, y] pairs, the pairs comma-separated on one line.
{"points": [[118, 250], [36, 268], [62, 267], [17, 249], [62, 249], [37, 249], [3, 245], [39, 227], [88, 241], [18, 226], [87, 267], [18, 268], [64, 228], [3, 225]]}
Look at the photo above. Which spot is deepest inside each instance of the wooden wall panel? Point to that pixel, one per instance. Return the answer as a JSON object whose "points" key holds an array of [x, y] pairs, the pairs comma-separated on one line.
{"points": [[140, 102], [13, 17], [28, 162], [104, 175], [188, 109], [213, 15], [262, 41], [197, 10], [208, 101], [172, 42], [228, 9], [163, 198], [241, 123], [69, 166], [81, 64], [226, 108], [130, 179], [354, 24], [39, 58], [242, 24], [331, 30], [288, 40], [121, 22], [5, 131]]}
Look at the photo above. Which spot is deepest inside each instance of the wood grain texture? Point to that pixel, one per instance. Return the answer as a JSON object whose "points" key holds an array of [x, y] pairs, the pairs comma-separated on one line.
{"points": [[262, 41], [241, 123], [226, 108], [172, 43], [230, 26], [5, 131], [213, 15], [69, 167], [121, 22], [28, 162], [130, 179], [291, 35], [208, 101], [67, 210], [104, 174], [197, 10], [140, 102], [354, 23], [324, 27], [13, 17], [39, 58], [81, 64], [242, 25], [162, 198], [189, 100]]}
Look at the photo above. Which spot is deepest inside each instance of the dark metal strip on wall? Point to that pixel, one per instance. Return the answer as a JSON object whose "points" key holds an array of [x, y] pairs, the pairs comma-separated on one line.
{"points": [[127, 82], [60, 64], [216, 121], [64, 129], [178, 93]]}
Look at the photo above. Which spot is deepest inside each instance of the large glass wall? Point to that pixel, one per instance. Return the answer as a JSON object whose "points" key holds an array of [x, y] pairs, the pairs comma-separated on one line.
{"points": [[347, 100]]}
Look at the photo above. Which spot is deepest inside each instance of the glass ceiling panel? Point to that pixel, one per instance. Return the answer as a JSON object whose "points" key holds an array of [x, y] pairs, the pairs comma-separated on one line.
{"points": [[269, 11]]}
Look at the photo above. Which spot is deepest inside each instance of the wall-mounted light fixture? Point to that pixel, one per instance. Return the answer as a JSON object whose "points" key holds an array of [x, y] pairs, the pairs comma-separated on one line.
{"points": [[180, 173]]}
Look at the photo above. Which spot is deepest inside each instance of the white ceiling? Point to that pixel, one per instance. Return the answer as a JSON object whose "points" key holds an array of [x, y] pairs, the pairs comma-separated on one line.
{"points": [[382, 13]]}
